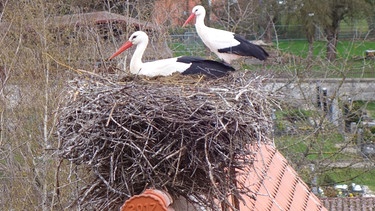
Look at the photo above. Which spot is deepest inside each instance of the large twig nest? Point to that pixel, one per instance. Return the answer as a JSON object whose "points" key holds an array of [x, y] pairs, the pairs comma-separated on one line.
{"points": [[184, 134]]}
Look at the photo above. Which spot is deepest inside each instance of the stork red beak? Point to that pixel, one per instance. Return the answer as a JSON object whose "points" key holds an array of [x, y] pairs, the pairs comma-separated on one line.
{"points": [[189, 19], [127, 45]]}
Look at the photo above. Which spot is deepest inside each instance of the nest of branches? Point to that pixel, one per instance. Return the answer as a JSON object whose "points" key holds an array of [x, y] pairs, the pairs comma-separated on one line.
{"points": [[184, 134]]}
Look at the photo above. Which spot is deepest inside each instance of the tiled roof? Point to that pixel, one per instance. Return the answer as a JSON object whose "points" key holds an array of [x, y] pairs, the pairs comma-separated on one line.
{"points": [[275, 185]]}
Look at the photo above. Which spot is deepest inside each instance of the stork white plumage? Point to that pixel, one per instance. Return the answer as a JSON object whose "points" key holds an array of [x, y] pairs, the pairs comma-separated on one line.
{"points": [[185, 64], [228, 46]]}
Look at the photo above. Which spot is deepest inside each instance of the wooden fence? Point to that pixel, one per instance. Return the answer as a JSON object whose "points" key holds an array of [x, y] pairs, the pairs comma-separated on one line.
{"points": [[349, 203]]}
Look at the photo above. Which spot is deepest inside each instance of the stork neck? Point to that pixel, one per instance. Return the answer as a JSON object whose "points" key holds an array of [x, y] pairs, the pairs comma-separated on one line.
{"points": [[136, 61], [199, 22]]}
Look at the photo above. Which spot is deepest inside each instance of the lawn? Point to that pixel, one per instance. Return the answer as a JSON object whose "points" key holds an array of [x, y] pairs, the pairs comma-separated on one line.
{"points": [[350, 175], [321, 146], [346, 49], [351, 62]]}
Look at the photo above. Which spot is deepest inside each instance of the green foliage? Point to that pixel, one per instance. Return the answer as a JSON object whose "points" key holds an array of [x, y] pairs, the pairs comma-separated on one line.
{"points": [[355, 113], [368, 106], [327, 180], [293, 121], [368, 134], [294, 115]]}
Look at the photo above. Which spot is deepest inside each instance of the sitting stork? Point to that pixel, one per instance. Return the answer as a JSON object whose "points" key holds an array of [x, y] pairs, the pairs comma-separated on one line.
{"points": [[184, 64]]}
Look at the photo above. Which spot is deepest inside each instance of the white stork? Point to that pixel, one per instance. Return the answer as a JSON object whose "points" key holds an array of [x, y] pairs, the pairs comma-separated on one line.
{"points": [[226, 45], [185, 64]]}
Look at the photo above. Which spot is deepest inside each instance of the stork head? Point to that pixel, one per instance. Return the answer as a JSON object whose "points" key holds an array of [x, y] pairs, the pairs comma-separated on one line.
{"points": [[198, 11], [136, 38]]}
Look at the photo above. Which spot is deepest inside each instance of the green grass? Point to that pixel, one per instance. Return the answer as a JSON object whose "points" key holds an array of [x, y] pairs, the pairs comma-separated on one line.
{"points": [[321, 146], [350, 175], [350, 60], [345, 48], [369, 106]]}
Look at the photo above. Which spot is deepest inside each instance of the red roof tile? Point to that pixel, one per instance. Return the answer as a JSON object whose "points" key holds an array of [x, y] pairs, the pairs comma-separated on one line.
{"points": [[275, 185]]}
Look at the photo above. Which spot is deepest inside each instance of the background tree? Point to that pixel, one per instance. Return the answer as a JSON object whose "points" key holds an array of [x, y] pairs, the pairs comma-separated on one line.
{"points": [[370, 16], [269, 15], [328, 15], [207, 5], [309, 14], [253, 19]]}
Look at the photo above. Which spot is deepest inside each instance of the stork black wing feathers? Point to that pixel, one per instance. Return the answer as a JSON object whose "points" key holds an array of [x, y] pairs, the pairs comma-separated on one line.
{"points": [[245, 48], [204, 66]]}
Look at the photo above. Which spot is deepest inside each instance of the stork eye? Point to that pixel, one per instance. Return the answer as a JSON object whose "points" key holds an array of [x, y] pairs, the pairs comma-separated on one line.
{"points": [[135, 36]]}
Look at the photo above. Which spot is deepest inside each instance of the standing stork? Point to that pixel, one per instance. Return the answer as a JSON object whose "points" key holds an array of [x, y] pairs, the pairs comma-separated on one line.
{"points": [[228, 46], [165, 67]]}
